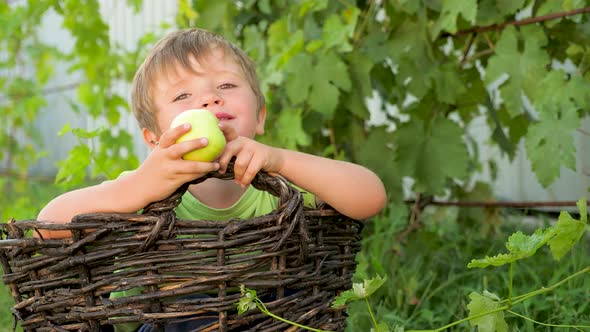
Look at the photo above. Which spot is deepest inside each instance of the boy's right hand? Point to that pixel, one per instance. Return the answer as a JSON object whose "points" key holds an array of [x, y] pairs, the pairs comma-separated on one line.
{"points": [[164, 170]]}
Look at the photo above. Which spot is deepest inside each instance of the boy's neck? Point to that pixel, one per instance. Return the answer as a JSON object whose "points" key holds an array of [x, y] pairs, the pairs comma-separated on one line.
{"points": [[216, 193]]}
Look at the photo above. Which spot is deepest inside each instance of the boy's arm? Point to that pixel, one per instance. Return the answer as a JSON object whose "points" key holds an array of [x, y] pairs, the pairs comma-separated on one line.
{"points": [[351, 189], [158, 176], [122, 195]]}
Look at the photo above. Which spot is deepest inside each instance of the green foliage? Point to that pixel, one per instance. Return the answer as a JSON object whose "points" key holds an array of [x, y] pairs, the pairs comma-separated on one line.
{"points": [[359, 291], [100, 64], [319, 60], [425, 288], [560, 237], [481, 304]]}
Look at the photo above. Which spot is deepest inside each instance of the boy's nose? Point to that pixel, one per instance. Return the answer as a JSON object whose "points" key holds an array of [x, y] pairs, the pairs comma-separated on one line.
{"points": [[211, 100]]}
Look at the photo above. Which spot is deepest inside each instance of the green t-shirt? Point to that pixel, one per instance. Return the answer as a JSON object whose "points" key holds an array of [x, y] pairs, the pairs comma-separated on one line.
{"points": [[253, 203]]}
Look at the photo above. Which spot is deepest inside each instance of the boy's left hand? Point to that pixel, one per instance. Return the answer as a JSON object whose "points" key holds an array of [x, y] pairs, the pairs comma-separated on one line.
{"points": [[251, 156]]}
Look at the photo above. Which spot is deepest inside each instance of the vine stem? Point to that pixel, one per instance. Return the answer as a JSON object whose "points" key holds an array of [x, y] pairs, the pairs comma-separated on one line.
{"points": [[372, 316], [525, 297], [263, 308], [518, 300], [545, 324], [526, 21], [510, 285]]}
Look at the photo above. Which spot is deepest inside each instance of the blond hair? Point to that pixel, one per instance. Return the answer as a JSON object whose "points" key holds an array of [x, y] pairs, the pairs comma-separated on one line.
{"points": [[179, 48]]}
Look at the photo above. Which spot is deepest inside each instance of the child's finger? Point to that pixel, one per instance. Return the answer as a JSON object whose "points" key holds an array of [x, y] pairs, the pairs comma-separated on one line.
{"points": [[170, 136], [198, 168], [180, 149], [241, 164], [228, 131], [230, 150], [254, 166]]}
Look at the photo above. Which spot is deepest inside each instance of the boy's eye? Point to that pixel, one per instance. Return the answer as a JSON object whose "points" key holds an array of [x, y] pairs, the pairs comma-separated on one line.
{"points": [[227, 86], [181, 97]]}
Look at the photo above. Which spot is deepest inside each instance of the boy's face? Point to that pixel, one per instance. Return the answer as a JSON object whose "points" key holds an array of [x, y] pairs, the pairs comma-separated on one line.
{"points": [[218, 84]]}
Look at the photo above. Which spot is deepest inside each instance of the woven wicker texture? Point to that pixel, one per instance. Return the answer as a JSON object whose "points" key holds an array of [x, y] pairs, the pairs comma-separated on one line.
{"points": [[297, 259]]}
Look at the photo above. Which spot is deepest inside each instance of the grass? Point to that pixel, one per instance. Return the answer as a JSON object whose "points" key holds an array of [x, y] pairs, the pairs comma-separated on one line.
{"points": [[429, 283]]}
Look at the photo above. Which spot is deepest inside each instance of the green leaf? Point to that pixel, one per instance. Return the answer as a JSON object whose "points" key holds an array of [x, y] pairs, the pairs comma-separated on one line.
{"points": [[310, 6], [72, 170], [549, 7], [264, 6], [519, 246], [375, 153], [431, 156], [291, 130], [448, 84], [479, 304], [568, 231], [451, 9], [246, 302], [278, 32], [558, 119], [324, 96], [339, 29], [64, 130], [362, 87], [330, 67], [298, 83], [509, 7], [82, 133], [525, 68], [359, 291]]}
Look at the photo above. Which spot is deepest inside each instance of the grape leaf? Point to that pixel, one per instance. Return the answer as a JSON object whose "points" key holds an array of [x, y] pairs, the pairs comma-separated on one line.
{"points": [[247, 300], [448, 83], [507, 7], [73, 168], [360, 75], [560, 237], [479, 304], [324, 97], [552, 135], [519, 246], [290, 129], [431, 156], [330, 67], [329, 74], [451, 9], [525, 69], [298, 85], [278, 32], [337, 33], [568, 231], [359, 291]]}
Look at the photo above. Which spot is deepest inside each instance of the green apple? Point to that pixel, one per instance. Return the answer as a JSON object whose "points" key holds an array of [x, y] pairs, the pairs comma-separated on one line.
{"points": [[203, 124]]}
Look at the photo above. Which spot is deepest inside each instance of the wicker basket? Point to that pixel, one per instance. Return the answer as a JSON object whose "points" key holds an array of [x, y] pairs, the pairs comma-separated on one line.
{"points": [[296, 259]]}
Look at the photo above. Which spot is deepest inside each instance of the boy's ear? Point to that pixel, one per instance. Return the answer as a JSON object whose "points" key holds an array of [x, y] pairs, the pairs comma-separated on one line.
{"points": [[261, 117], [150, 138]]}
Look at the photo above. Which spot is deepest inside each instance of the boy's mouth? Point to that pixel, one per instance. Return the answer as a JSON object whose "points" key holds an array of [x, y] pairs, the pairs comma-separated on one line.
{"points": [[223, 116]]}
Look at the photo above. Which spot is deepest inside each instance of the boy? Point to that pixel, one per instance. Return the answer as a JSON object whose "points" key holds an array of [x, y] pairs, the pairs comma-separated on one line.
{"points": [[197, 69]]}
